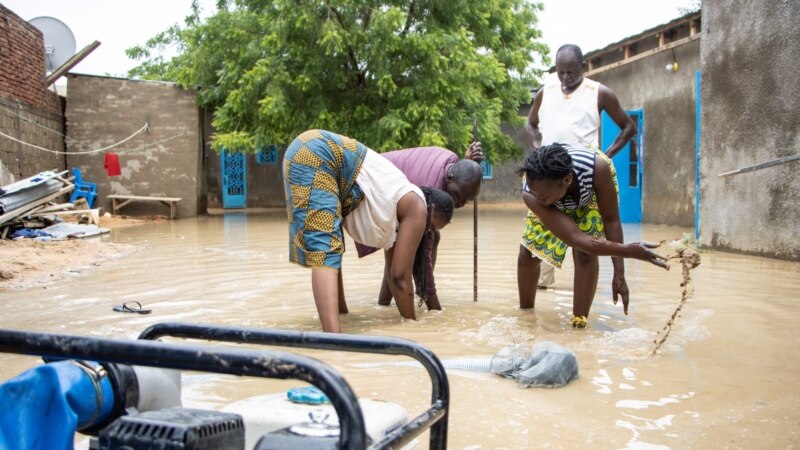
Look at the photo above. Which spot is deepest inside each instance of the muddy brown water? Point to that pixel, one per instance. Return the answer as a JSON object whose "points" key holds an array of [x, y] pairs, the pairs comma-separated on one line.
{"points": [[727, 377]]}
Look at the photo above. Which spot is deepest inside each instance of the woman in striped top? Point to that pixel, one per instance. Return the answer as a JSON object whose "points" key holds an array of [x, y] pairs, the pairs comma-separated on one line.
{"points": [[571, 192]]}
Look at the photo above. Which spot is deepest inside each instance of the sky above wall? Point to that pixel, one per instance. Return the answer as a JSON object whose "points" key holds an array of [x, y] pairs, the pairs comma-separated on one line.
{"points": [[119, 25]]}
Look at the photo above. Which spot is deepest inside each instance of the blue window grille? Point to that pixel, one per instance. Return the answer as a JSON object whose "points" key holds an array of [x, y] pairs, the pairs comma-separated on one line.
{"points": [[486, 168], [268, 155]]}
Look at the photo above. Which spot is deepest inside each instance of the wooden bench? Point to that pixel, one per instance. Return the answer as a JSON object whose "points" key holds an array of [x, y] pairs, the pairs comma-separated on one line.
{"points": [[118, 201]]}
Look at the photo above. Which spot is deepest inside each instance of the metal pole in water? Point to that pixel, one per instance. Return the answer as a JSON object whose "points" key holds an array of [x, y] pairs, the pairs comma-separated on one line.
{"points": [[475, 226]]}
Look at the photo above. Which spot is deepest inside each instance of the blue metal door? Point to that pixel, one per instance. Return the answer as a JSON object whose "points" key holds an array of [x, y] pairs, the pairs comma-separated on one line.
{"points": [[628, 164], [234, 185]]}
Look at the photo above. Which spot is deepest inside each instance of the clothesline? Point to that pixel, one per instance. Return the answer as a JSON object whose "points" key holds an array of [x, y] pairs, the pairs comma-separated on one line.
{"points": [[35, 123], [160, 141], [145, 127]]}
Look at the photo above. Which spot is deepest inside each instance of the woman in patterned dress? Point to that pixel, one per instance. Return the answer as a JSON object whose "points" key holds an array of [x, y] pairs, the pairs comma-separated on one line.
{"points": [[571, 192], [333, 182]]}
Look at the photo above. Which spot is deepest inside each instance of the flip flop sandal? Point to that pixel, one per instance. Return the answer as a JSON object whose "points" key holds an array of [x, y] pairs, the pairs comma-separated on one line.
{"points": [[132, 307], [578, 322]]}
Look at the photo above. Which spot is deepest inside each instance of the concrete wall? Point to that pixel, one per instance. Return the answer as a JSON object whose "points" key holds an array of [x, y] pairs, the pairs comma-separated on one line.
{"points": [[668, 148], [751, 114], [29, 112], [264, 186], [505, 186], [668, 101], [163, 162]]}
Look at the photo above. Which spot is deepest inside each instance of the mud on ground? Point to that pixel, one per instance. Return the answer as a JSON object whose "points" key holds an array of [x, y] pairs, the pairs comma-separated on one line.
{"points": [[27, 263]]}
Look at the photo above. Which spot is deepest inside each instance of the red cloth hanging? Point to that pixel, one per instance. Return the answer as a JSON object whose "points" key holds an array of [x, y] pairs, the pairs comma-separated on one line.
{"points": [[111, 164]]}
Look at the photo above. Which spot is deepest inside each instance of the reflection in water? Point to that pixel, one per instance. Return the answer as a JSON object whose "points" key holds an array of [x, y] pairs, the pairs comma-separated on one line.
{"points": [[728, 376], [235, 229]]}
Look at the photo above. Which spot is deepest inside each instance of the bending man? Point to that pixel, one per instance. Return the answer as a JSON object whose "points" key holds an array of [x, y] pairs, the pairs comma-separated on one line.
{"points": [[438, 168]]}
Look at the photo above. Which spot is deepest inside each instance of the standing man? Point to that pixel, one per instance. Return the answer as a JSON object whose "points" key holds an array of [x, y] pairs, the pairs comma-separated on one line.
{"points": [[438, 168], [566, 110]]}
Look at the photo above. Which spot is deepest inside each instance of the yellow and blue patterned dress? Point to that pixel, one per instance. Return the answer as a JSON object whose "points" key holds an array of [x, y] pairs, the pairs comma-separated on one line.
{"points": [[319, 179], [537, 238]]}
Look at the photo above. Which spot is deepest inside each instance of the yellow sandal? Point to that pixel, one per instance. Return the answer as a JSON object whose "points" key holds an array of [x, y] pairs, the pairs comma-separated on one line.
{"points": [[578, 322]]}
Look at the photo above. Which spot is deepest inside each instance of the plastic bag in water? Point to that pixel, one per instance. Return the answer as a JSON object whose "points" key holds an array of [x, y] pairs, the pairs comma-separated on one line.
{"points": [[508, 360], [549, 364]]}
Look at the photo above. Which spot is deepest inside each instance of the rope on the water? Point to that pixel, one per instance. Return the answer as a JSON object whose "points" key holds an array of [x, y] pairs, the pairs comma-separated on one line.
{"points": [[689, 260]]}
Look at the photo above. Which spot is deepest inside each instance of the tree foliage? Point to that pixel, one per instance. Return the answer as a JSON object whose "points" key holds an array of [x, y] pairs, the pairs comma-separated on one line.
{"points": [[391, 74]]}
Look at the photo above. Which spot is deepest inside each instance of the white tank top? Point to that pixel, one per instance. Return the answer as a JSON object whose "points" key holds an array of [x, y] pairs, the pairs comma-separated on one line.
{"points": [[570, 119]]}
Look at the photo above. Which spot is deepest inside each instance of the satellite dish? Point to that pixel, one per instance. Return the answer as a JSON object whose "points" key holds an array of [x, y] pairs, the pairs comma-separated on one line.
{"points": [[59, 43]]}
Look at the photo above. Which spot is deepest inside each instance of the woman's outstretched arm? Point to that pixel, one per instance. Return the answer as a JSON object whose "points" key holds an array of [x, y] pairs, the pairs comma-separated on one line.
{"points": [[412, 215]]}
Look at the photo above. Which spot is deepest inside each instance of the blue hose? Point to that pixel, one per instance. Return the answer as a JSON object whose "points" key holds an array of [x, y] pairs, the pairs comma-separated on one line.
{"points": [[43, 407]]}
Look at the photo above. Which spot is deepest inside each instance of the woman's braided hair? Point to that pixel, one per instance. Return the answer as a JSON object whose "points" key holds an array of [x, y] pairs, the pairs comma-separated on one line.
{"points": [[443, 205], [551, 162]]}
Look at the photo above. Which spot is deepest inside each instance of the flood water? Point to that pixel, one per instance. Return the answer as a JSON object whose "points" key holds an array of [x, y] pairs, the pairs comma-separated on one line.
{"points": [[727, 377]]}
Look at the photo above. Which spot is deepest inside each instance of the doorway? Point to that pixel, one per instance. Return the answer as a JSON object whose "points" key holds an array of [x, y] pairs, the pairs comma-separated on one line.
{"points": [[234, 179], [628, 162]]}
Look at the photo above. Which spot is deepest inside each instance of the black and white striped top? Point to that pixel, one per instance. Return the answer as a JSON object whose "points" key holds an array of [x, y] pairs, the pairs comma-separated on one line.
{"points": [[583, 167]]}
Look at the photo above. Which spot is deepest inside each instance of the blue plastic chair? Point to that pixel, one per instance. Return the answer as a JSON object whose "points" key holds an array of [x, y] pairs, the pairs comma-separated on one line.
{"points": [[85, 189]]}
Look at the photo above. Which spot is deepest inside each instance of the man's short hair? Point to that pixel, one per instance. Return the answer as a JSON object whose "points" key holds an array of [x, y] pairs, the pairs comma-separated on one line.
{"points": [[466, 171], [572, 48]]}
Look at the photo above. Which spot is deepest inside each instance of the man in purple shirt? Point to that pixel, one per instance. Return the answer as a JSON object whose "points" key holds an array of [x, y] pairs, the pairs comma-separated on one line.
{"points": [[439, 168]]}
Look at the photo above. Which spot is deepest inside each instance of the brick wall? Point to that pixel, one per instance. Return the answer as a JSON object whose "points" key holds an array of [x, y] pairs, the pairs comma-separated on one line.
{"points": [[22, 65], [39, 130], [29, 112]]}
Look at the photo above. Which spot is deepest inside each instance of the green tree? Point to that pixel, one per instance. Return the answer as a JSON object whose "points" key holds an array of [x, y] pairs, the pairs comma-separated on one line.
{"points": [[391, 74], [693, 7]]}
